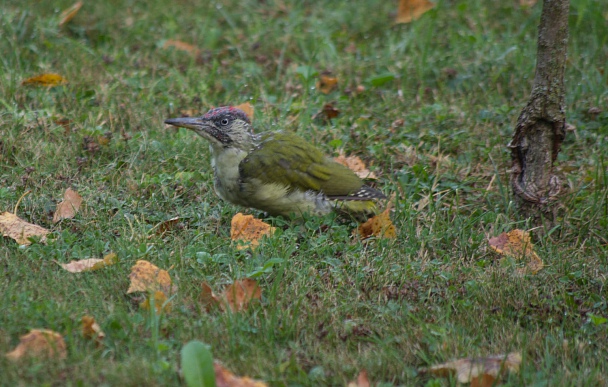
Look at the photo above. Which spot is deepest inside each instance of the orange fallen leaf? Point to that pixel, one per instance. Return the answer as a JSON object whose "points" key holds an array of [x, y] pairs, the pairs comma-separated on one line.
{"points": [[146, 277], [517, 244], [14, 227], [379, 226], [480, 372], [91, 330], [68, 208], [247, 231], [90, 264], [362, 380], [327, 113], [235, 297], [182, 46], [39, 343], [160, 302], [48, 80], [355, 164], [225, 378], [326, 84], [410, 10], [69, 13], [247, 108]]}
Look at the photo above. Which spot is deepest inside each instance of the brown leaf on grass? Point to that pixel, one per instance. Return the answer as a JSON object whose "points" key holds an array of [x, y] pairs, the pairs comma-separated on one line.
{"points": [[163, 227], [355, 164], [327, 113], [182, 46], [225, 378], [91, 330], [480, 372], [146, 277], [90, 264], [39, 343], [14, 227], [69, 13], [160, 302], [235, 297], [68, 208], [410, 10], [379, 226], [362, 380], [247, 108], [527, 3], [517, 245], [247, 231], [326, 84], [48, 80]]}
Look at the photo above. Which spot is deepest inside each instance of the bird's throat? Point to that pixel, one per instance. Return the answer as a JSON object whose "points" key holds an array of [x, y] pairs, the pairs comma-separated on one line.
{"points": [[225, 163]]}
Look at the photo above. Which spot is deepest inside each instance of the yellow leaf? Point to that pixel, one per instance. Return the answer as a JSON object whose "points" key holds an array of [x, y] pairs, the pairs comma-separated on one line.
{"points": [[379, 226], [14, 227], [410, 10], [326, 84], [362, 380], [68, 208], [146, 277], [247, 108], [91, 330], [481, 372], [356, 165], [90, 264], [160, 302], [182, 46], [69, 13], [517, 245], [39, 343], [236, 297], [225, 378], [245, 228], [48, 80]]}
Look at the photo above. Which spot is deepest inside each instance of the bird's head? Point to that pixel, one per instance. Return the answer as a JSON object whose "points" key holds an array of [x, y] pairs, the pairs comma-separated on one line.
{"points": [[223, 127]]}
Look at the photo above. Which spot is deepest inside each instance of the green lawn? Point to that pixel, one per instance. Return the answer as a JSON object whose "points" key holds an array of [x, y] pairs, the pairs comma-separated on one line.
{"points": [[440, 102]]}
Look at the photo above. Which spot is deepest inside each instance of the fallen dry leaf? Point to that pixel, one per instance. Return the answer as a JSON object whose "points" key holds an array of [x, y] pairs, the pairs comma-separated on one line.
{"points": [[379, 226], [247, 108], [39, 343], [69, 13], [14, 227], [163, 227], [225, 378], [517, 244], [146, 277], [326, 84], [362, 380], [327, 113], [247, 231], [48, 80], [160, 302], [183, 46], [480, 372], [355, 164], [236, 296], [410, 10], [68, 208], [91, 330], [527, 3], [90, 264]]}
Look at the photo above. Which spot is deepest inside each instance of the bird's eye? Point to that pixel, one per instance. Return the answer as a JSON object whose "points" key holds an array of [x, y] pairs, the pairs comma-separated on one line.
{"points": [[224, 121]]}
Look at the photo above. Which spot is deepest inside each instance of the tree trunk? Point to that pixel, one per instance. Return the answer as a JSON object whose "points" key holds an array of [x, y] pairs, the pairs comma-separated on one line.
{"points": [[540, 127]]}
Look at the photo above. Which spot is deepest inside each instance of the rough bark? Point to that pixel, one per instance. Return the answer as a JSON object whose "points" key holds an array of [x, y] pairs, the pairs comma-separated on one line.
{"points": [[540, 127]]}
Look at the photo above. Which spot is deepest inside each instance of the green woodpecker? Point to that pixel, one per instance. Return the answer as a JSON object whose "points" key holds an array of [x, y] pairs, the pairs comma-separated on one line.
{"points": [[276, 172]]}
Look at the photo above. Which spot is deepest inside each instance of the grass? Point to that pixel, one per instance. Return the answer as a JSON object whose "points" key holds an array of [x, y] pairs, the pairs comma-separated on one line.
{"points": [[331, 305]]}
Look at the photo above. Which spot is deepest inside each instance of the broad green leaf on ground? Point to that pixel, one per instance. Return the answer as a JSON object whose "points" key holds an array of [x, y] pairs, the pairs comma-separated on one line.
{"points": [[410, 10], [91, 330], [379, 226], [236, 297], [69, 13], [247, 108], [197, 365], [48, 80], [326, 83], [39, 343], [90, 264], [481, 372], [14, 227], [362, 380], [517, 245], [225, 378], [68, 208], [247, 231], [146, 277], [182, 46], [355, 164]]}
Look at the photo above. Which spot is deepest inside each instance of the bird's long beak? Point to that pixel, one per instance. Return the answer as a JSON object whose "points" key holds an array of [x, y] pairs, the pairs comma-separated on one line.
{"points": [[185, 122]]}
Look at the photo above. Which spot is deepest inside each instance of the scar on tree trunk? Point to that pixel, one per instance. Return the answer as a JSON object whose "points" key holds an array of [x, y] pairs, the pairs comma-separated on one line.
{"points": [[540, 127]]}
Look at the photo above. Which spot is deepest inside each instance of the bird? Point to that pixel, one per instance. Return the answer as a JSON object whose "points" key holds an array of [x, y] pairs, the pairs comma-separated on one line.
{"points": [[276, 172]]}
